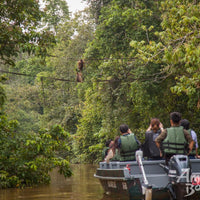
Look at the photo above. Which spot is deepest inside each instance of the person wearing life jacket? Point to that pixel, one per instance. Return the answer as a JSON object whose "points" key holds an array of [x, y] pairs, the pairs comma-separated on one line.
{"points": [[109, 144], [186, 125], [175, 140], [113, 152], [127, 144], [149, 148]]}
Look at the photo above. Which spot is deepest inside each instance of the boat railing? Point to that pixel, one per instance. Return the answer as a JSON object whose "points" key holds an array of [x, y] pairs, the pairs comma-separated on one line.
{"points": [[152, 167]]}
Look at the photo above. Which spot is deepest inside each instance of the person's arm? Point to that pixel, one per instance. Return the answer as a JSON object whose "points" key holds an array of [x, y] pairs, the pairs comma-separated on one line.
{"points": [[109, 156], [149, 128], [191, 144], [194, 137], [189, 139], [197, 155], [161, 126], [159, 139], [157, 144]]}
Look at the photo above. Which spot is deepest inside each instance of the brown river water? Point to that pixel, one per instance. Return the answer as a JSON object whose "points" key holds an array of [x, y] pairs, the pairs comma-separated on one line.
{"points": [[81, 186]]}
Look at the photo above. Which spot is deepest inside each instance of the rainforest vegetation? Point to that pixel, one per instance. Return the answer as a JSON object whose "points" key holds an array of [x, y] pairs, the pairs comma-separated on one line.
{"points": [[141, 59]]}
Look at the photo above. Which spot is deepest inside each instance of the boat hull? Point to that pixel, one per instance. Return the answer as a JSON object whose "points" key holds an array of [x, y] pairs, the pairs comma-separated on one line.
{"points": [[125, 178]]}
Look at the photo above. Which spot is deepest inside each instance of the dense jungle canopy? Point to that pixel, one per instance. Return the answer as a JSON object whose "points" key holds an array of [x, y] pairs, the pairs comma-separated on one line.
{"points": [[141, 60]]}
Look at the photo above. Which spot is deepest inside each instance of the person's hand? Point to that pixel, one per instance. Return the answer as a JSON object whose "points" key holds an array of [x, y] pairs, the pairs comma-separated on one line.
{"points": [[161, 153], [161, 126], [197, 156], [149, 128], [129, 131]]}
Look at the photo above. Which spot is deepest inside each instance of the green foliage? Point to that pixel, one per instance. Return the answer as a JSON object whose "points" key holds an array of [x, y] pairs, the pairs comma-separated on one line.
{"points": [[61, 103], [90, 124], [24, 105], [2, 92], [141, 58], [19, 22], [26, 159], [56, 13], [96, 7], [183, 34], [30, 66], [177, 52], [110, 100], [141, 61]]}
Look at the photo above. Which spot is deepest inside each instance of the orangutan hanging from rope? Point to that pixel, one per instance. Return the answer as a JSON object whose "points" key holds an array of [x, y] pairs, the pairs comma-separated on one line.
{"points": [[80, 65], [79, 75]]}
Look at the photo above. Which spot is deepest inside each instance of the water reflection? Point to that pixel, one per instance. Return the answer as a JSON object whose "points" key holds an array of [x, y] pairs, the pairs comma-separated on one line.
{"points": [[81, 186]]}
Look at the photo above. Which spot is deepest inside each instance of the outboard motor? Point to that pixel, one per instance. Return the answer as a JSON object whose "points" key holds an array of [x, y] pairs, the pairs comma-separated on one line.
{"points": [[179, 169], [179, 174]]}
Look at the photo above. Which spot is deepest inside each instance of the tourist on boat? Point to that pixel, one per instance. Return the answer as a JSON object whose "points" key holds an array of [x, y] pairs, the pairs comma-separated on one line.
{"points": [[175, 138], [149, 148], [124, 147], [128, 144], [113, 152], [186, 125], [109, 144]]}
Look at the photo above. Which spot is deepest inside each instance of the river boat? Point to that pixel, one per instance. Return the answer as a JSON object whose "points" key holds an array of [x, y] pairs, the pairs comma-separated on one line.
{"points": [[152, 179]]}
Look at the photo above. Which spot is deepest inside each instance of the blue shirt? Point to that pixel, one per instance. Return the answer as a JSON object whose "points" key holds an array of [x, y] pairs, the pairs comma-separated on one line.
{"points": [[194, 137]]}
